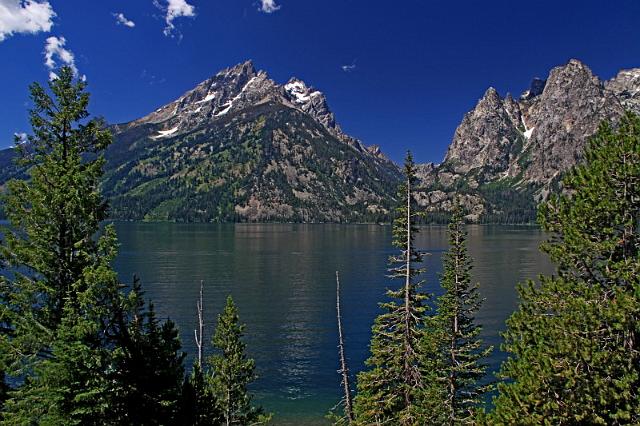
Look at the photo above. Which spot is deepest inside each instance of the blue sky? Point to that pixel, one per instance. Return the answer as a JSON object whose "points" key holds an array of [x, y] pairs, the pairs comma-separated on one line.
{"points": [[413, 68]]}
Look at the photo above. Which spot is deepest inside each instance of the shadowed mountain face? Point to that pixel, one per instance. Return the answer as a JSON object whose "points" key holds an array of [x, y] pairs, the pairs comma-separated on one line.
{"points": [[241, 147], [507, 153]]}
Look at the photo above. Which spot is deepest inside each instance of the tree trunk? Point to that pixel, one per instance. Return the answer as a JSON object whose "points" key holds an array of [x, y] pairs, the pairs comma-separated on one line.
{"points": [[348, 407]]}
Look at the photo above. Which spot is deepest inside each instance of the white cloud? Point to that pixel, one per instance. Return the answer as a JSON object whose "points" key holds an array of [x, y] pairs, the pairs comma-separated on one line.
{"points": [[349, 67], [268, 6], [174, 9], [54, 49], [122, 20], [24, 16]]}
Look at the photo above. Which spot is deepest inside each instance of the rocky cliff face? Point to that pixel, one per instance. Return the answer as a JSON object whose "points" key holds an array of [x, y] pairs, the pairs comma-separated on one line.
{"points": [[568, 111], [626, 87], [507, 149]]}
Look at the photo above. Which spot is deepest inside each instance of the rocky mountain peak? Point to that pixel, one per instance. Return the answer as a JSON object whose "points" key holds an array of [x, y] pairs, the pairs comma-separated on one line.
{"points": [[237, 89], [541, 135], [570, 109], [234, 89], [311, 101], [626, 87], [241, 146], [535, 89], [245, 68], [573, 73], [526, 145], [484, 136], [490, 99]]}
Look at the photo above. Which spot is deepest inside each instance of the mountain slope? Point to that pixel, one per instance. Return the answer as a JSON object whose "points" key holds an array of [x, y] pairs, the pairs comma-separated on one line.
{"points": [[241, 147]]}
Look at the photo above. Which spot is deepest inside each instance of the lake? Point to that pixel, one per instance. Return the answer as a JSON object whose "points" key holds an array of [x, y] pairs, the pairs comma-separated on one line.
{"points": [[282, 278]]}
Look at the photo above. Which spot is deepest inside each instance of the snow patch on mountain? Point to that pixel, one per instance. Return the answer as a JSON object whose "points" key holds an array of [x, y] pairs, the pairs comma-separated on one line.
{"points": [[300, 92], [528, 132], [165, 133], [207, 98]]}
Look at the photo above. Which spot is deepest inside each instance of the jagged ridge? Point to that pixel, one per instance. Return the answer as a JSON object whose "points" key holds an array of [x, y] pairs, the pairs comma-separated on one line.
{"points": [[508, 154]]}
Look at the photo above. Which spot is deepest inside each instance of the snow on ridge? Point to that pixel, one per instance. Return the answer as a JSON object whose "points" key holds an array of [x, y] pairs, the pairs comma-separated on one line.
{"points": [[298, 90], [207, 98], [227, 106], [165, 133], [251, 80]]}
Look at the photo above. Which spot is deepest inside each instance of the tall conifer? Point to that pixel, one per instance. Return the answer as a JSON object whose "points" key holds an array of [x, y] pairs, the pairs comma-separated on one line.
{"points": [[65, 315], [233, 371], [53, 215], [575, 339], [389, 391], [455, 352]]}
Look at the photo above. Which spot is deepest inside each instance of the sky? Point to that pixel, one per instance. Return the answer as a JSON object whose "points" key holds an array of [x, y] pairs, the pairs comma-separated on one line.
{"points": [[400, 74]]}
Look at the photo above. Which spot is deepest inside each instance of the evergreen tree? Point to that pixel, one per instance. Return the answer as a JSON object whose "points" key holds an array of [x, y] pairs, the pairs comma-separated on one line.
{"points": [[198, 404], [575, 339], [146, 369], [68, 386], [233, 371], [66, 321], [389, 391], [55, 214], [453, 392], [6, 331], [53, 217]]}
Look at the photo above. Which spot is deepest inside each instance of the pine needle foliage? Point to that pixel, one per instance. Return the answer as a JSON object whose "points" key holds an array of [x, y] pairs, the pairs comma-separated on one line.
{"points": [[388, 392], [72, 337], [453, 394], [574, 342], [233, 371]]}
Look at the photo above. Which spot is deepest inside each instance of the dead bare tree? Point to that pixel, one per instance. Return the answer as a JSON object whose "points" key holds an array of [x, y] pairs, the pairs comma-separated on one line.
{"points": [[199, 331], [344, 370]]}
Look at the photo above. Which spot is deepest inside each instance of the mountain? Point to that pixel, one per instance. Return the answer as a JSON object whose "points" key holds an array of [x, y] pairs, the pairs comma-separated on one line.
{"points": [[507, 154], [241, 147]]}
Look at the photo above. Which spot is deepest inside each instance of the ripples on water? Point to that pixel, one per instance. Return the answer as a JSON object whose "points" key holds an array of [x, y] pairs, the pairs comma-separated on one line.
{"points": [[282, 277]]}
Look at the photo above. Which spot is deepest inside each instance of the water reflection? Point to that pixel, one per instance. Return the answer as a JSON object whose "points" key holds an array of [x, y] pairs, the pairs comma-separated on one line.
{"points": [[282, 279]]}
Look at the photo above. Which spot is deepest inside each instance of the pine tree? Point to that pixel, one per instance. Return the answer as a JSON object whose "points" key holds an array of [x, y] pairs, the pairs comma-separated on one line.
{"points": [[146, 370], [233, 371], [53, 217], [575, 339], [198, 403], [68, 386], [66, 320], [6, 332], [389, 391], [453, 392]]}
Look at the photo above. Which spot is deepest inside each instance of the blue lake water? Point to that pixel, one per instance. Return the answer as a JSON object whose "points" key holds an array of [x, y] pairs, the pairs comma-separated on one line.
{"points": [[282, 278]]}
